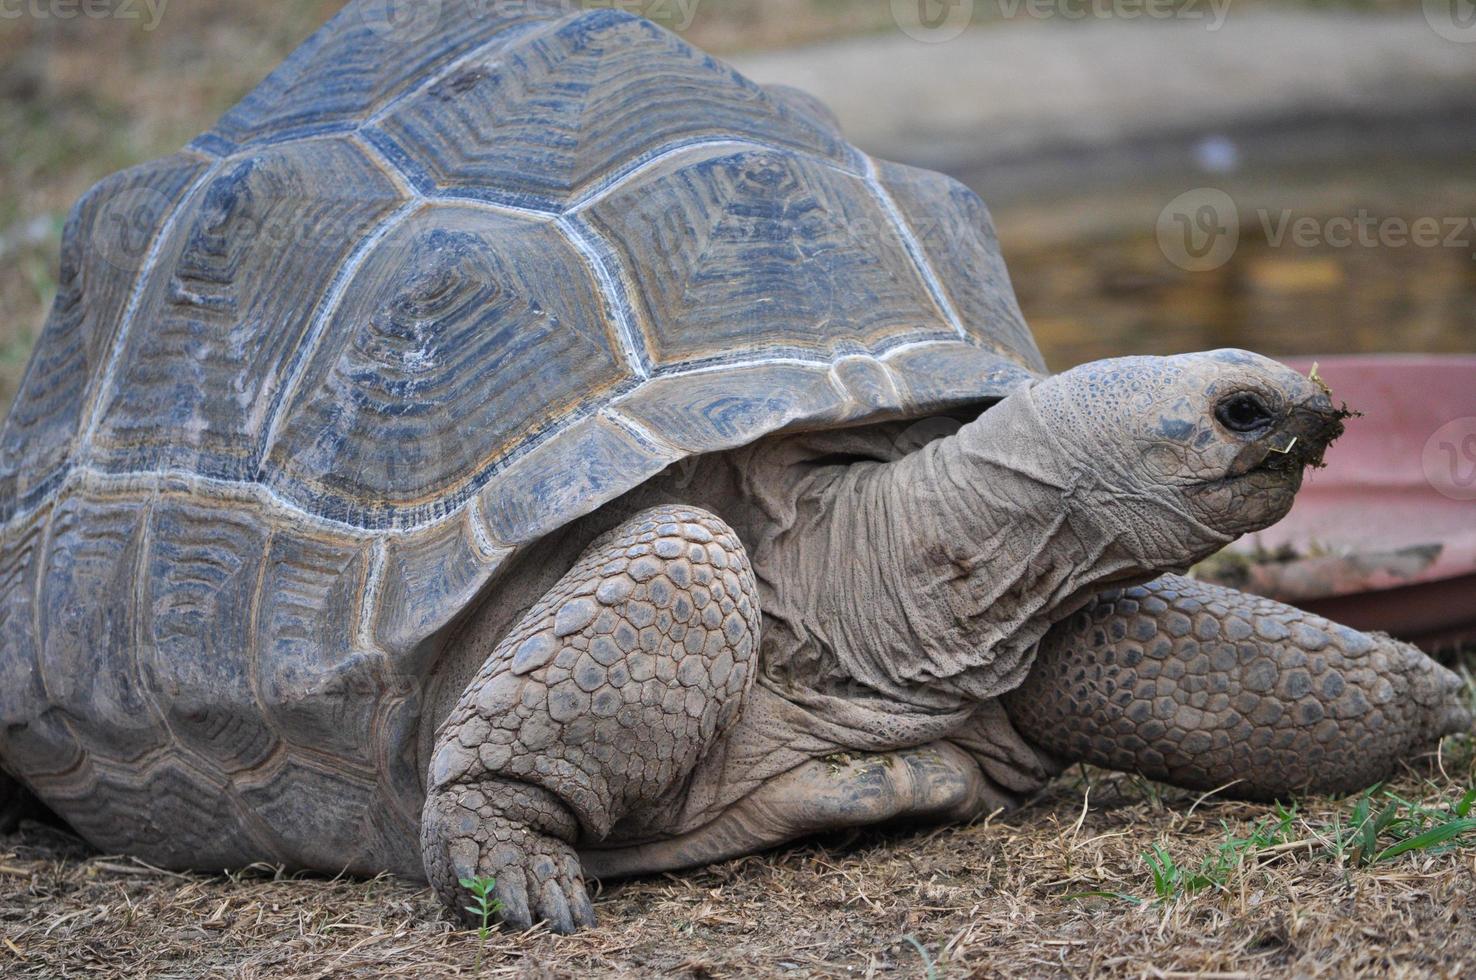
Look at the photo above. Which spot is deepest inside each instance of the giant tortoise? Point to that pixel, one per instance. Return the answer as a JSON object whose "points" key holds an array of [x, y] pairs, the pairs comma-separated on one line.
{"points": [[524, 447]]}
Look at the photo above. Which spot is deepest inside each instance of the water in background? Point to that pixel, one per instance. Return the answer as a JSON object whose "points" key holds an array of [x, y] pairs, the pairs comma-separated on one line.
{"points": [[1093, 281]]}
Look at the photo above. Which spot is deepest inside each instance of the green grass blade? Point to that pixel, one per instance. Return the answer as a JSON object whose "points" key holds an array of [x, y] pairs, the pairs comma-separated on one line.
{"points": [[1430, 838]]}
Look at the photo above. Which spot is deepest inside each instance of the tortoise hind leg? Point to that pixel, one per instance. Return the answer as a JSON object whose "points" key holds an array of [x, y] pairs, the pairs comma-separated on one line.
{"points": [[591, 710], [929, 784], [1206, 687]]}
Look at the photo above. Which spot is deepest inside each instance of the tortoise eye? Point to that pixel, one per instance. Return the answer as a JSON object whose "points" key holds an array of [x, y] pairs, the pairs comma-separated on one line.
{"points": [[1244, 413]]}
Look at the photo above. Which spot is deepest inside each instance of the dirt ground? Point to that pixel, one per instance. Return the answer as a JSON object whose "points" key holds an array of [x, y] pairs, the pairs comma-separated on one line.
{"points": [[1063, 887]]}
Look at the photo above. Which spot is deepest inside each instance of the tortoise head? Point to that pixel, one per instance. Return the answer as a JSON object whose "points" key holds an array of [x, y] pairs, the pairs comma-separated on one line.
{"points": [[1193, 449]]}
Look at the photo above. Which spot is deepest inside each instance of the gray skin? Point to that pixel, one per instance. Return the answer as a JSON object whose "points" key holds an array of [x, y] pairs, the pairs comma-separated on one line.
{"points": [[960, 622]]}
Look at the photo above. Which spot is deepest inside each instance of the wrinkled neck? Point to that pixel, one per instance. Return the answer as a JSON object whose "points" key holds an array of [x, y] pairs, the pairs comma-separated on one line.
{"points": [[944, 568]]}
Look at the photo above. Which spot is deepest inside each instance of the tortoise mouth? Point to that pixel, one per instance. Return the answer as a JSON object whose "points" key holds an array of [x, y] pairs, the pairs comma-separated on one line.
{"points": [[1268, 473], [1285, 454]]}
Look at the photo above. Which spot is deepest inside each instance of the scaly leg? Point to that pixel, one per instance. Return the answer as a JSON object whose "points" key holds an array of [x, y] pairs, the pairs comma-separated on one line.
{"points": [[1203, 686], [600, 701]]}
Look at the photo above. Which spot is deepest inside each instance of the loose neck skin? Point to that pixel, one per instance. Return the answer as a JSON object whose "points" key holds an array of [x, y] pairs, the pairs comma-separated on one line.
{"points": [[930, 579]]}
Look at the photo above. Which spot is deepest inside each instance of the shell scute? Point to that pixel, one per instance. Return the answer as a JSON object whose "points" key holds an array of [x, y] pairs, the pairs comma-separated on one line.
{"points": [[33, 738], [569, 474], [428, 579], [562, 112], [89, 626], [200, 572], [317, 678], [934, 375], [168, 812], [313, 814], [229, 302], [464, 335], [824, 269], [106, 244], [365, 57], [731, 406], [956, 234]]}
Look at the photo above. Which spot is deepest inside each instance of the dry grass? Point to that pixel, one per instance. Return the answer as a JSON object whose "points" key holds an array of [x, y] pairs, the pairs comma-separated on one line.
{"points": [[1000, 898]]}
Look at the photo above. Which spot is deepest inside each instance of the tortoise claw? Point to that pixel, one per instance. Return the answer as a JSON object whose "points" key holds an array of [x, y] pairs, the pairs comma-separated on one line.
{"points": [[512, 894], [547, 887], [554, 908], [584, 915]]}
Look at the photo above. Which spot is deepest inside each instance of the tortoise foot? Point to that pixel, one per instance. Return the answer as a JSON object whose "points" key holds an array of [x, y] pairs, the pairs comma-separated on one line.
{"points": [[514, 833]]}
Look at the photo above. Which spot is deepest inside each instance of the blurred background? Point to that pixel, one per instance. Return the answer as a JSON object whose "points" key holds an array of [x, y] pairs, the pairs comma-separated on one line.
{"points": [[1166, 175]]}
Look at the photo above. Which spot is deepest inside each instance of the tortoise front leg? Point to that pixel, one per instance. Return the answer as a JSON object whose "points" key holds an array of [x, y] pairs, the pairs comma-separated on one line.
{"points": [[1203, 686], [592, 709]]}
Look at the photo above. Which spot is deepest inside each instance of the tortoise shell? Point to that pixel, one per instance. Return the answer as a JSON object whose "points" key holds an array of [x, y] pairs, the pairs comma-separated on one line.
{"points": [[427, 294]]}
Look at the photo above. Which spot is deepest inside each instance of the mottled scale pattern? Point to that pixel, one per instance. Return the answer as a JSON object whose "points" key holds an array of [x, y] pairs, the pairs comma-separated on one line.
{"points": [[603, 697], [452, 277], [647, 641], [1199, 685]]}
